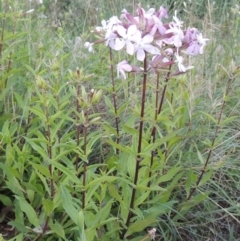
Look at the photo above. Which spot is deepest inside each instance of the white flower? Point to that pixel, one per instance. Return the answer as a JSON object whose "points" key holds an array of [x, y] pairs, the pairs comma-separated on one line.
{"points": [[177, 21], [103, 27], [110, 40], [179, 60], [143, 45], [128, 35], [152, 233], [202, 42], [89, 46], [122, 67], [111, 25], [149, 13], [177, 37]]}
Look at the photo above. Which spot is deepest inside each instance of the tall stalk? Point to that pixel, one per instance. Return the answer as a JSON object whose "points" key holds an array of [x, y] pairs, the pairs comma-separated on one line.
{"points": [[49, 149], [213, 141], [158, 109], [85, 132], [78, 126], [139, 158], [155, 119], [114, 97]]}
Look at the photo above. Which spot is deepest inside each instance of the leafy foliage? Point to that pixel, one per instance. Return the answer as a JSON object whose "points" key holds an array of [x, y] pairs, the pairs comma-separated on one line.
{"points": [[67, 172]]}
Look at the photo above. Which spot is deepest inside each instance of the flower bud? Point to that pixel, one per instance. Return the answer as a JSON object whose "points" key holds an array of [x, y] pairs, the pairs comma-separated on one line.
{"points": [[41, 83], [97, 95], [55, 66], [82, 103]]}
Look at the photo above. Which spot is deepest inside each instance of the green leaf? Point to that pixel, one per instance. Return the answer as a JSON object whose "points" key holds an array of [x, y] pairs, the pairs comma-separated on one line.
{"points": [[19, 100], [37, 148], [58, 229], [169, 175], [91, 192], [44, 181], [129, 130], [209, 116], [109, 104], [186, 206], [200, 157], [192, 178], [114, 192], [103, 214], [228, 120], [90, 234], [69, 173], [68, 204], [48, 206], [19, 237], [5, 200], [122, 148], [122, 108], [38, 113], [141, 199], [101, 180], [140, 225], [160, 141], [29, 211], [151, 188], [42, 169], [30, 69], [206, 177]]}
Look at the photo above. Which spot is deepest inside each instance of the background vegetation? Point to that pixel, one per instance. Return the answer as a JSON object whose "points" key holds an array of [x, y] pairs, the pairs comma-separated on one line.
{"points": [[61, 177]]}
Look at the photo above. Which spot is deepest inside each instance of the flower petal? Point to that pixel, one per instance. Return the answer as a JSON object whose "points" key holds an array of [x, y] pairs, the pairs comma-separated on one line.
{"points": [[140, 54], [132, 29], [121, 31], [127, 67], [119, 44], [147, 39], [130, 48]]}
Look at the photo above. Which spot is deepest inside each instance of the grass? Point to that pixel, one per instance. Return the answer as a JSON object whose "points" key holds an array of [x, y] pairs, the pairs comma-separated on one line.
{"points": [[39, 124]]}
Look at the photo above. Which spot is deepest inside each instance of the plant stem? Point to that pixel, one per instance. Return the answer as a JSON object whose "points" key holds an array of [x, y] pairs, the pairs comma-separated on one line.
{"points": [[157, 112], [78, 127], [155, 119], [48, 134], [213, 140], [85, 130], [114, 97], [44, 229], [59, 151], [49, 153], [139, 158], [162, 98]]}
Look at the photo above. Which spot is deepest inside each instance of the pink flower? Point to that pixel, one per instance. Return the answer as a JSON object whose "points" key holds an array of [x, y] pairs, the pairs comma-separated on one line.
{"points": [[195, 41], [143, 45], [157, 26], [162, 12], [122, 67], [110, 41], [128, 35]]}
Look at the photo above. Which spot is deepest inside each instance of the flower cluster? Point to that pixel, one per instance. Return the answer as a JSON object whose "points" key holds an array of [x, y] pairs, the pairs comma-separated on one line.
{"points": [[147, 33]]}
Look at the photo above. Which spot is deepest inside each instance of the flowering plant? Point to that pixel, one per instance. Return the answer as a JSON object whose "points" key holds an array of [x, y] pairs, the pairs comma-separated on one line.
{"points": [[157, 45], [147, 33]]}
